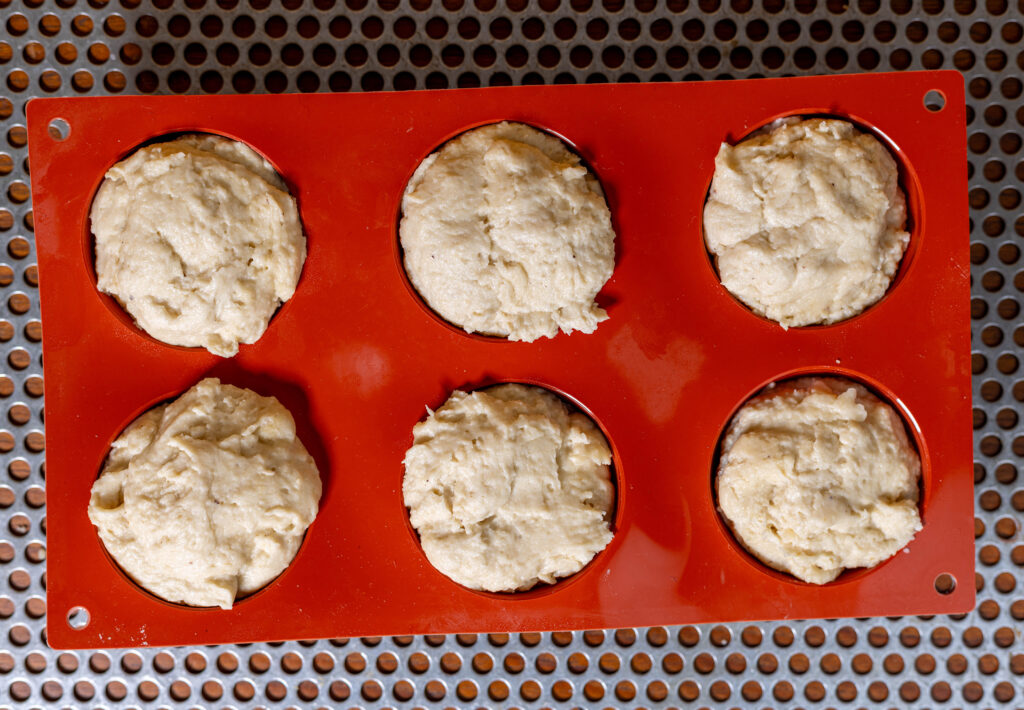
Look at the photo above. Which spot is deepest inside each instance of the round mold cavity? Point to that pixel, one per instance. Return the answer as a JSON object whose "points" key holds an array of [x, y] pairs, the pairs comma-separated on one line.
{"points": [[399, 252], [88, 241], [168, 398], [887, 396], [908, 182], [598, 561]]}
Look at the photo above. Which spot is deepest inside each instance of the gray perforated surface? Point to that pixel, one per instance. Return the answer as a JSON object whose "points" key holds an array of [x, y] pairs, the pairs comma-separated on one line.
{"points": [[89, 47]]}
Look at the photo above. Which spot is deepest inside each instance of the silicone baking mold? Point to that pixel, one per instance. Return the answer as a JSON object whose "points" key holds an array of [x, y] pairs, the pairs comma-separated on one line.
{"points": [[356, 357]]}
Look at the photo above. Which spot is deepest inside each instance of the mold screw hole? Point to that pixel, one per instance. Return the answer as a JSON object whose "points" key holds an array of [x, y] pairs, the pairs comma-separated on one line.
{"points": [[934, 101], [59, 129], [78, 617], [945, 583]]}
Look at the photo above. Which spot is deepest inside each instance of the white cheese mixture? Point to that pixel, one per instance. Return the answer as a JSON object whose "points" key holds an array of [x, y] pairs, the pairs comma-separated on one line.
{"points": [[199, 240], [817, 475], [208, 497], [806, 221], [506, 233], [506, 488]]}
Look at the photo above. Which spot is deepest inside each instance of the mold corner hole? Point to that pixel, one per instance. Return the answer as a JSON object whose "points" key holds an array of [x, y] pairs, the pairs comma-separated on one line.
{"points": [[934, 100], [945, 583], [59, 129], [78, 617]]}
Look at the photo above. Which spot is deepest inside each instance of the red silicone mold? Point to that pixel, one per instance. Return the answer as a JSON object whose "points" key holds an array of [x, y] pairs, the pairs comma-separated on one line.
{"points": [[356, 357]]}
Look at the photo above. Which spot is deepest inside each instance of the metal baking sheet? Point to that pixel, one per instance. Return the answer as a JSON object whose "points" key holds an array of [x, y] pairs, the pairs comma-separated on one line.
{"points": [[962, 661]]}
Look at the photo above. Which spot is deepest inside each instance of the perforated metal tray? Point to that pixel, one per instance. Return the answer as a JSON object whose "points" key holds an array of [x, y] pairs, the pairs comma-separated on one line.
{"points": [[70, 47]]}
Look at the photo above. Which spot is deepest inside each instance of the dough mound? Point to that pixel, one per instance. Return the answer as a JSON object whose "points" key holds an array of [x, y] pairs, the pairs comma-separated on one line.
{"points": [[806, 221], [207, 497], [507, 488], [818, 475], [199, 240], [505, 233]]}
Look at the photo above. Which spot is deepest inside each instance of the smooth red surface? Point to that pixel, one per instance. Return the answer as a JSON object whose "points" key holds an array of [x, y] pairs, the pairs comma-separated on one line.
{"points": [[356, 357]]}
